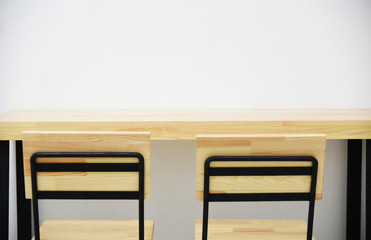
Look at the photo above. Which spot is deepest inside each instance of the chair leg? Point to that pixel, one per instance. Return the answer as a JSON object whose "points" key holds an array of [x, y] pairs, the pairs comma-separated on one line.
{"points": [[141, 219], [205, 220], [368, 189], [4, 189], [354, 190], [23, 204], [35, 202], [312, 201]]}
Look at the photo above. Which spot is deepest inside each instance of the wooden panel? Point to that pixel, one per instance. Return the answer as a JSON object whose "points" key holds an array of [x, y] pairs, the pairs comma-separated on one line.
{"points": [[94, 230], [186, 124], [259, 145], [253, 230], [50, 141], [86, 181]]}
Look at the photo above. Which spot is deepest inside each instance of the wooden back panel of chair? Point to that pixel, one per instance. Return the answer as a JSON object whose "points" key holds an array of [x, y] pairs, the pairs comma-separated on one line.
{"points": [[259, 145], [83, 141]]}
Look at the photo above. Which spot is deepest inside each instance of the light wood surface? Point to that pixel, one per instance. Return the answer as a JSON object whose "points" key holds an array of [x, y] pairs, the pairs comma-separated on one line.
{"points": [[259, 145], [254, 230], [54, 141], [94, 230], [186, 124]]}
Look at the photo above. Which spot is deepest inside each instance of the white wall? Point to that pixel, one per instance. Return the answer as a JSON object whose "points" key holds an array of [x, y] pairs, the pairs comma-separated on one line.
{"points": [[189, 54]]}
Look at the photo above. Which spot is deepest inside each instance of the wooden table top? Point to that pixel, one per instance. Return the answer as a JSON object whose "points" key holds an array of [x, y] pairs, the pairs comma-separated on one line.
{"points": [[186, 124]]}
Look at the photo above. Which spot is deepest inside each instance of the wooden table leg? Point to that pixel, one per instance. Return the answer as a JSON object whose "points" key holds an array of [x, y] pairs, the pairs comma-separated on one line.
{"points": [[354, 190], [4, 190], [23, 204]]}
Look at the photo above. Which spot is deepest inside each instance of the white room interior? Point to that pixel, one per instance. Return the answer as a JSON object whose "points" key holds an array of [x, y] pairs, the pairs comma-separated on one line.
{"points": [[275, 54]]}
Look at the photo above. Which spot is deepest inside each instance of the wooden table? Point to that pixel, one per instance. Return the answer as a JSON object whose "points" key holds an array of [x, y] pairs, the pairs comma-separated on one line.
{"points": [[351, 124]]}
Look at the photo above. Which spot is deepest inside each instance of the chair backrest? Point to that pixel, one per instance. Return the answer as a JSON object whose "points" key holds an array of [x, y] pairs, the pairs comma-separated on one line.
{"points": [[260, 145], [87, 165], [85, 142], [259, 168]]}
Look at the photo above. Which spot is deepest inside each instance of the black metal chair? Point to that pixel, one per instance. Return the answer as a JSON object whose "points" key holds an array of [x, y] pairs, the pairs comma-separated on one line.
{"points": [[256, 166], [89, 229]]}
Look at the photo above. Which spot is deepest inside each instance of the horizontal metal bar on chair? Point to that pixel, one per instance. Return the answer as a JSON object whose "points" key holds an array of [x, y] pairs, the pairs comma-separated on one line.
{"points": [[87, 167], [252, 197], [260, 171], [88, 195]]}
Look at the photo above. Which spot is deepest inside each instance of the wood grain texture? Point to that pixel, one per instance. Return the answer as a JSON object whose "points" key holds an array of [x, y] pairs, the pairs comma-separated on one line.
{"points": [[54, 141], [253, 230], [94, 230], [259, 145], [186, 124]]}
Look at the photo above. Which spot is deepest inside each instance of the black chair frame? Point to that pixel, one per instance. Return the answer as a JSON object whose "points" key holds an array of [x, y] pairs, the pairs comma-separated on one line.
{"points": [[87, 167], [259, 171]]}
